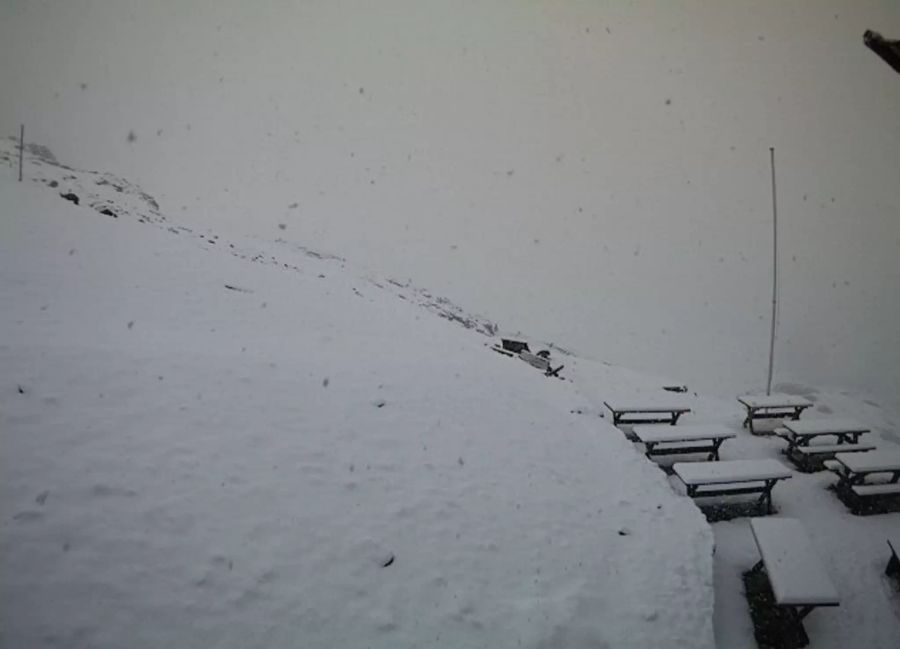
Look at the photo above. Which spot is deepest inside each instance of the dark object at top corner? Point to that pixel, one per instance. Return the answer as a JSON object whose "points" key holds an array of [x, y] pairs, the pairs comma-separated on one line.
{"points": [[888, 50]]}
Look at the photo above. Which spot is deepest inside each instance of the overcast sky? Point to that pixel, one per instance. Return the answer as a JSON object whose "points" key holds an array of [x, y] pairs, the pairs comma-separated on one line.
{"points": [[595, 173]]}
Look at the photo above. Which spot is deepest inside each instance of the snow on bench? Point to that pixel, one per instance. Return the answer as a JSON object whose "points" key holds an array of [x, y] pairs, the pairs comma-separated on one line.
{"points": [[830, 449], [668, 440], [773, 406], [832, 426], [647, 413], [884, 489], [796, 574], [732, 477], [881, 461]]}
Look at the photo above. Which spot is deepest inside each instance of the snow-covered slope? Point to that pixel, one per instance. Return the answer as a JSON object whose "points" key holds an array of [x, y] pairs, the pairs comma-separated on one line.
{"points": [[233, 443]]}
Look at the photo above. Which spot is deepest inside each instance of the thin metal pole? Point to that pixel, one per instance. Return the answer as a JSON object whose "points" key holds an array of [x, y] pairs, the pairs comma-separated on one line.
{"points": [[774, 272], [21, 149]]}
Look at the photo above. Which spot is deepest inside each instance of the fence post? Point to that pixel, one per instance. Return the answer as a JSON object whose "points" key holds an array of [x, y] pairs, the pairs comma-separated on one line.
{"points": [[21, 149]]}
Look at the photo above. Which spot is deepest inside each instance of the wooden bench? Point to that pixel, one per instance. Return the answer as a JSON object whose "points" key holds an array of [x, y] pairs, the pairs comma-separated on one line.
{"points": [[893, 566], [808, 456], [670, 440], [854, 471], [650, 413], [773, 406], [732, 477], [796, 576]]}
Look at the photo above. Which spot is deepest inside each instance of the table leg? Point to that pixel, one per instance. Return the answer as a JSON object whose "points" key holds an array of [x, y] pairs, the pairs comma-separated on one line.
{"points": [[766, 497], [893, 566], [714, 455]]}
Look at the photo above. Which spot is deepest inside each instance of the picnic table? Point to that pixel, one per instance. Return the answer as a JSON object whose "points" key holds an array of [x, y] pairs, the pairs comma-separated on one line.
{"points": [[670, 440], [732, 477], [798, 580], [773, 406], [800, 434], [646, 413], [854, 471]]}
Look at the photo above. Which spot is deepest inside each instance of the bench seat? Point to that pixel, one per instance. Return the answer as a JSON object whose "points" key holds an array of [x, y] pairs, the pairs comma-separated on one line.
{"points": [[832, 426], [830, 449], [864, 490], [722, 489]]}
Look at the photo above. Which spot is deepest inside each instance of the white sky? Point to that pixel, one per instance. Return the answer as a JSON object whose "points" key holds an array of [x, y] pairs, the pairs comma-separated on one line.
{"points": [[595, 173]]}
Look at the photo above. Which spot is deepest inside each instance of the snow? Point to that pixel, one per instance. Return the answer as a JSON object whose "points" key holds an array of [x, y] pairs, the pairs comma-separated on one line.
{"points": [[774, 401], [309, 461], [685, 433], [594, 173], [659, 405], [829, 426], [313, 458], [795, 572], [886, 459], [692, 473]]}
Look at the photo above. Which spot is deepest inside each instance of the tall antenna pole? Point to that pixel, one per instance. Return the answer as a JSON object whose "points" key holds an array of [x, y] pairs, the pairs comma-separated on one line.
{"points": [[774, 271], [21, 149]]}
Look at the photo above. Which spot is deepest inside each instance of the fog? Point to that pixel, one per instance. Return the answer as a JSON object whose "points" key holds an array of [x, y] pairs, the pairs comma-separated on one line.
{"points": [[591, 173]]}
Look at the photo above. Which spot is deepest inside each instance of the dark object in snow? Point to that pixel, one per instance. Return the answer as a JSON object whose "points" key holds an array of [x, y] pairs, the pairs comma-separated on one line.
{"points": [[108, 212], [624, 532], [675, 388], [893, 565], [53, 183], [231, 287], [888, 50], [131, 324], [514, 346], [71, 197], [380, 403], [552, 372], [20, 389], [388, 562], [325, 382]]}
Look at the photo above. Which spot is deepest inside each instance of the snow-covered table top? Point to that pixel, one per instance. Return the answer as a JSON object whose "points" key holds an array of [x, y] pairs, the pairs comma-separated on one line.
{"points": [[871, 462], [700, 473], [796, 573], [774, 401], [665, 433], [648, 406], [812, 427]]}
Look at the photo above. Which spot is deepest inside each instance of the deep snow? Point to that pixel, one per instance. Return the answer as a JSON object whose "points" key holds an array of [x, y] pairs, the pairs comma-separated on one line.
{"points": [[185, 463], [592, 172]]}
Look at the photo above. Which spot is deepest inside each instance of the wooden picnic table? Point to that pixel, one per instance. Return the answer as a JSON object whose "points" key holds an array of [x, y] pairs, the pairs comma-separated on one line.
{"points": [[670, 440], [646, 413], [732, 477], [773, 406], [855, 469], [800, 434], [796, 575]]}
